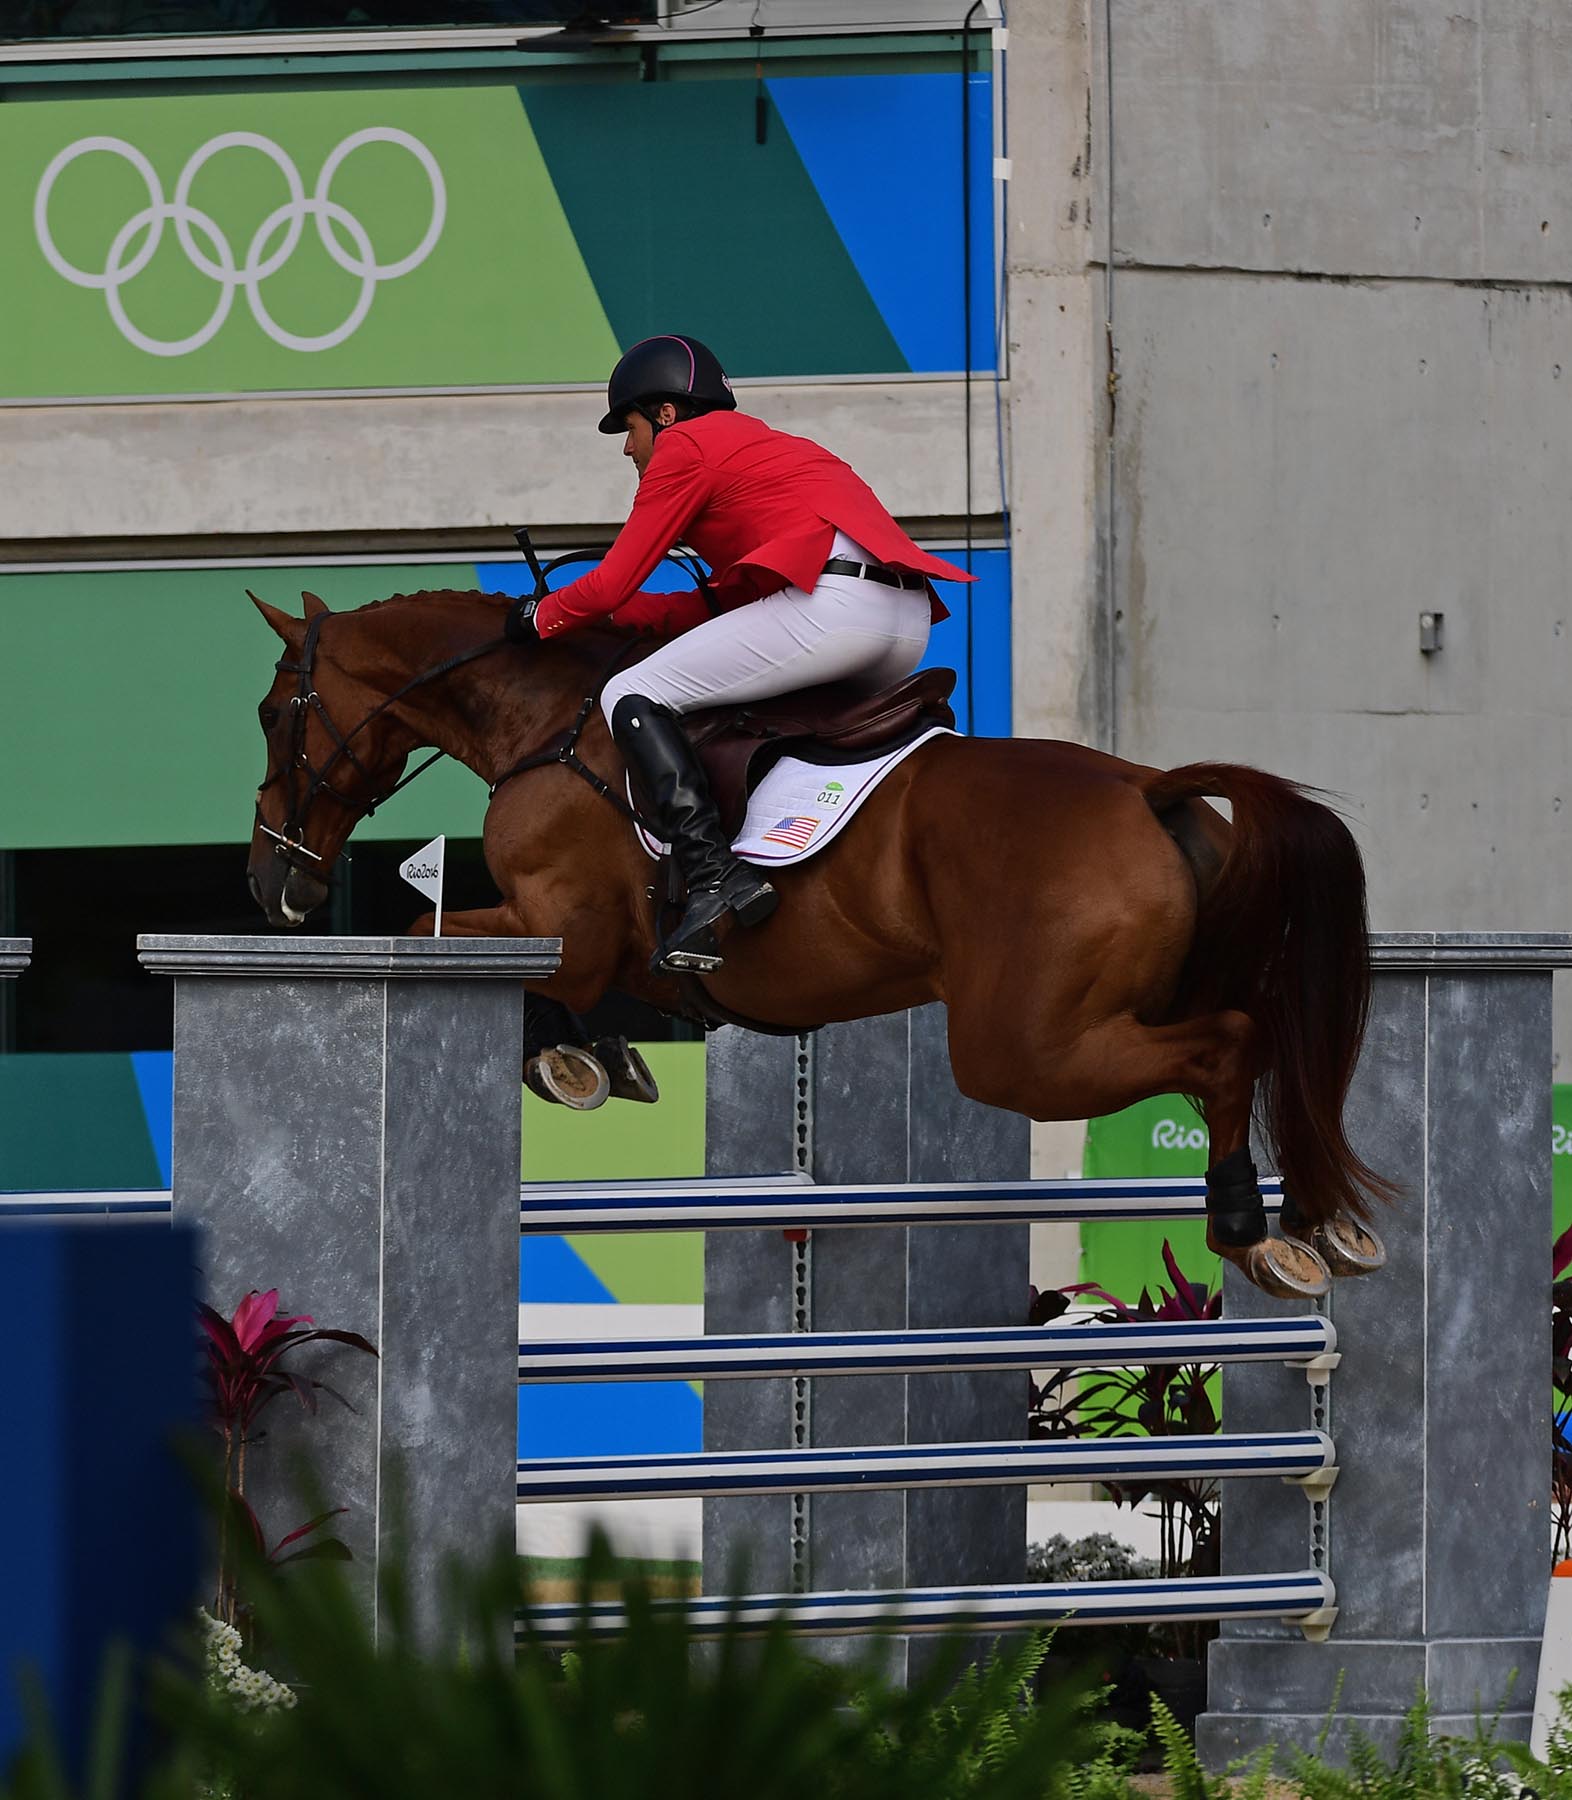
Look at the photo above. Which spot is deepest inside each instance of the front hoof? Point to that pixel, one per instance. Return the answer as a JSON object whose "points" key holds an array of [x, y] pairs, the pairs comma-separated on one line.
{"points": [[1346, 1246], [630, 1074], [568, 1076], [1282, 1267]]}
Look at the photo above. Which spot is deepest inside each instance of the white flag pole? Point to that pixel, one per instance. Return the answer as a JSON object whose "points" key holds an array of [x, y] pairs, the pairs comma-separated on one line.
{"points": [[425, 870]]}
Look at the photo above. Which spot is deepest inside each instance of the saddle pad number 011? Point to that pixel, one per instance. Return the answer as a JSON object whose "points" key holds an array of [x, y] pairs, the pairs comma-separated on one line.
{"points": [[799, 807]]}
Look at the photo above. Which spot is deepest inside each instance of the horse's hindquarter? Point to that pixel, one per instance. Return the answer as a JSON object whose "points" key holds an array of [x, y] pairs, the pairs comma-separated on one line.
{"points": [[1010, 877], [1056, 892]]}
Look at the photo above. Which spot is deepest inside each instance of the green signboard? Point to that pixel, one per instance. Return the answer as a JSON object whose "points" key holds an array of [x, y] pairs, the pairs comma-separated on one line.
{"points": [[1561, 1154], [133, 696], [341, 238], [1162, 1137], [322, 235], [1166, 1137]]}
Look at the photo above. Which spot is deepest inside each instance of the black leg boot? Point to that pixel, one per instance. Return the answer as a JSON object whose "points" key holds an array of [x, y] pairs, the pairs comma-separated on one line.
{"points": [[668, 772]]}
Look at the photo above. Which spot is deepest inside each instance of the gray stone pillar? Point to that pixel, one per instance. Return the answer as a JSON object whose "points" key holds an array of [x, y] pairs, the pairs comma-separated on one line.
{"points": [[1438, 1531], [347, 1117], [871, 1101]]}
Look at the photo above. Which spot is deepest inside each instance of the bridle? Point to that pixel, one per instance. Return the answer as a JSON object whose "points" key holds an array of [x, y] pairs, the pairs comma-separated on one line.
{"points": [[289, 844]]}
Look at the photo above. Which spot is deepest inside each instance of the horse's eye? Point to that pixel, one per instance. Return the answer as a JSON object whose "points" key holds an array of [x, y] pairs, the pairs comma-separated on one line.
{"points": [[268, 715]]}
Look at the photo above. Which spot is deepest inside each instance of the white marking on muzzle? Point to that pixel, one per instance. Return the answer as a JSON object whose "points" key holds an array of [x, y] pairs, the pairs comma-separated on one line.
{"points": [[295, 918]]}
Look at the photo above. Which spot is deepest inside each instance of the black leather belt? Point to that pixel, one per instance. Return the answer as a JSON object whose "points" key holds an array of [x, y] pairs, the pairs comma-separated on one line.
{"points": [[843, 565]]}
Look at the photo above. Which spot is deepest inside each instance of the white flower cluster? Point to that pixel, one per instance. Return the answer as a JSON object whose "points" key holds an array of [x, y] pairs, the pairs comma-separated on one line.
{"points": [[1485, 1783], [252, 1690]]}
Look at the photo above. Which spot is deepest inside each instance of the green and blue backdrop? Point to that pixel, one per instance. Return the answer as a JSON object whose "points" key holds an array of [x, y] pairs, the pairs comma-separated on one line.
{"points": [[307, 235], [321, 235]]}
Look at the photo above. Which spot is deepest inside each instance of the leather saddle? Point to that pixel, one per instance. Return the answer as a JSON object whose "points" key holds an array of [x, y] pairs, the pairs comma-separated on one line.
{"points": [[835, 723]]}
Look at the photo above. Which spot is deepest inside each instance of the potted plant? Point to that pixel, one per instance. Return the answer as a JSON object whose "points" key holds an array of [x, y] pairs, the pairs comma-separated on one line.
{"points": [[1561, 1400], [245, 1367], [1150, 1400]]}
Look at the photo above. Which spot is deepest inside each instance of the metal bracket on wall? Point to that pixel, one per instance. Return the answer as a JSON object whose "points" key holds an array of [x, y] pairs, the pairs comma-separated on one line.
{"points": [[1317, 1485], [1318, 1371], [1317, 1488], [1317, 1626], [801, 1247]]}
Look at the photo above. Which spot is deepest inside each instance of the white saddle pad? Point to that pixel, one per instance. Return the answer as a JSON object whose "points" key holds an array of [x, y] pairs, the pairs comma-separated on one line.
{"points": [[799, 807]]}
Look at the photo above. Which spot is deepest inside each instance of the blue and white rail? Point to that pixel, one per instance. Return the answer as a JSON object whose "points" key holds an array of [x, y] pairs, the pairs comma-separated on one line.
{"points": [[149, 1205], [1093, 1345], [780, 1202], [783, 1202], [1292, 1455], [1304, 1597]]}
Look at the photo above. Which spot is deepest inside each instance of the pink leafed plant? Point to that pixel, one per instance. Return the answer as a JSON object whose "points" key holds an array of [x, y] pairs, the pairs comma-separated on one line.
{"points": [[1158, 1399], [246, 1374]]}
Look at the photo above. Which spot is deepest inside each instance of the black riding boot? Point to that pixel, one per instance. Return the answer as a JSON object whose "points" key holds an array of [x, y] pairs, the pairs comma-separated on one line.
{"points": [[668, 773]]}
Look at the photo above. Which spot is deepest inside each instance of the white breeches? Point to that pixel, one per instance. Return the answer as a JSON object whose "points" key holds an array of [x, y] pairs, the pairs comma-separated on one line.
{"points": [[847, 629]]}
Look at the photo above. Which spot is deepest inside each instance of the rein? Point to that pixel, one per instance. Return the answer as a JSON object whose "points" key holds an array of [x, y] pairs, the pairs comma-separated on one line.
{"points": [[564, 749]]}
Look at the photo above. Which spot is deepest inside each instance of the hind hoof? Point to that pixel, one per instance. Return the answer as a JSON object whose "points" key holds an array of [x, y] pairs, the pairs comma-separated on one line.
{"points": [[1285, 1268], [568, 1076], [1343, 1244]]}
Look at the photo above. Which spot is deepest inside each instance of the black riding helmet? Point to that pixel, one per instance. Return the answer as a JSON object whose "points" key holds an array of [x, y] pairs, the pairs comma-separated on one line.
{"points": [[674, 368]]}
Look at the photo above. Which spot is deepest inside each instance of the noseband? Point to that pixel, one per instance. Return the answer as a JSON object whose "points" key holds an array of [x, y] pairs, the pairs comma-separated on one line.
{"points": [[289, 844]]}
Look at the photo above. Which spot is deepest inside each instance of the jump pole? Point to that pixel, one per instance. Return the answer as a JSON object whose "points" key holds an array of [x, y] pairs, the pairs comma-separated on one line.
{"points": [[870, 1101]]}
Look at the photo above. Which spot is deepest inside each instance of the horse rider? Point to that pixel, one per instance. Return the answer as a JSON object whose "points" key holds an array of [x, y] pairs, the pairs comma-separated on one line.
{"points": [[813, 581]]}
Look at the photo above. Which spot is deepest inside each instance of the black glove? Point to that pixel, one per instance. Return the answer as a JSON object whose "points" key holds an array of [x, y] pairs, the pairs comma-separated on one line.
{"points": [[520, 625]]}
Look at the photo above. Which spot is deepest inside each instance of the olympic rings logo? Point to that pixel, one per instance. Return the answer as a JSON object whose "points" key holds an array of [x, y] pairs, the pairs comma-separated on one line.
{"points": [[272, 244]]}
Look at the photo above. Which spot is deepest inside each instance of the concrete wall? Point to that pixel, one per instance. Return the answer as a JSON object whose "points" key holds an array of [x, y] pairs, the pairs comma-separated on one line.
{"points": [[1342, 249], [1057, 372], [426, 463]]}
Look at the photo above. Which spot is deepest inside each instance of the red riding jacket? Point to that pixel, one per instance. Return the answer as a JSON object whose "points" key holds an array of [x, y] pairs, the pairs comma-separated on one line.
{"points": [[762, 509]]}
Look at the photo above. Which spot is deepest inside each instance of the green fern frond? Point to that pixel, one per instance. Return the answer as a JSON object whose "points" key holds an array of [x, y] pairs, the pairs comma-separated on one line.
{"points": [[1179, 1759], [1251, 1776], [1331, 1713], [1318, 1780]]}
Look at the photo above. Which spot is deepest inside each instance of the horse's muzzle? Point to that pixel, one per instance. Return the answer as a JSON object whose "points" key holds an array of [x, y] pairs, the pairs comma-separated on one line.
{"points": [[284, 893]]}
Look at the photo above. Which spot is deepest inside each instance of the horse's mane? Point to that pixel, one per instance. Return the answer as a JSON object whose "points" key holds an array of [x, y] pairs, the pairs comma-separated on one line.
{"points": [[589, 643], [433, 594]]}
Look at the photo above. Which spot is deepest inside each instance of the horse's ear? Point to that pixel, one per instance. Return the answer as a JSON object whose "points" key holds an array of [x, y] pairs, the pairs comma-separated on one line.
{"points": [[286, 627], [314, 604]]}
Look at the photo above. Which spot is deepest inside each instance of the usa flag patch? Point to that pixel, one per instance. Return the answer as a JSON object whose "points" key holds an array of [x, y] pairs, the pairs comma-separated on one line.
{"points": [[794, 832]]}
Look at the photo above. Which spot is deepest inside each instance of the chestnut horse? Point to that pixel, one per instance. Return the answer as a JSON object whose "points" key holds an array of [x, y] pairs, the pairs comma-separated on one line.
{"points": [[1098, 933]]}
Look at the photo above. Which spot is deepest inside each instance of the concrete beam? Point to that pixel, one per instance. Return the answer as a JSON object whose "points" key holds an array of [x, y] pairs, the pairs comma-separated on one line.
{"points": [[1057, 381], [433, 462]]}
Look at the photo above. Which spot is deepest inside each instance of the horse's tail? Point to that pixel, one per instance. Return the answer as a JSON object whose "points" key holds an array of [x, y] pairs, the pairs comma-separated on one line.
{"points": [[1283, 936]]}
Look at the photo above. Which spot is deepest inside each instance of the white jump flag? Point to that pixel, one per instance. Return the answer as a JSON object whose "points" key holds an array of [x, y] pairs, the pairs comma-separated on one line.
{"points": [[424, 871]]}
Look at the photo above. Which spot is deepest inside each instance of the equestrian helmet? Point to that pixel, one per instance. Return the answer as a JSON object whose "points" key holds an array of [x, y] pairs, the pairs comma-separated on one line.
{"points": [[680, 369]]}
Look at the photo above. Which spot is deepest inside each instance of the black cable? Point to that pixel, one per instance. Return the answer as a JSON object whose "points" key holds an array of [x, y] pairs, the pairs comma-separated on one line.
{"points": [[966, 332], [761, 111]]}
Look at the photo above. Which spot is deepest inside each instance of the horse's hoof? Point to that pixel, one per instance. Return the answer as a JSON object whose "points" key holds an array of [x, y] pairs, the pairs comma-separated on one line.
{"points": [[630, 1074], [535, 1082], [1285, 1268], [568, 1076], [1343, 1244]]}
